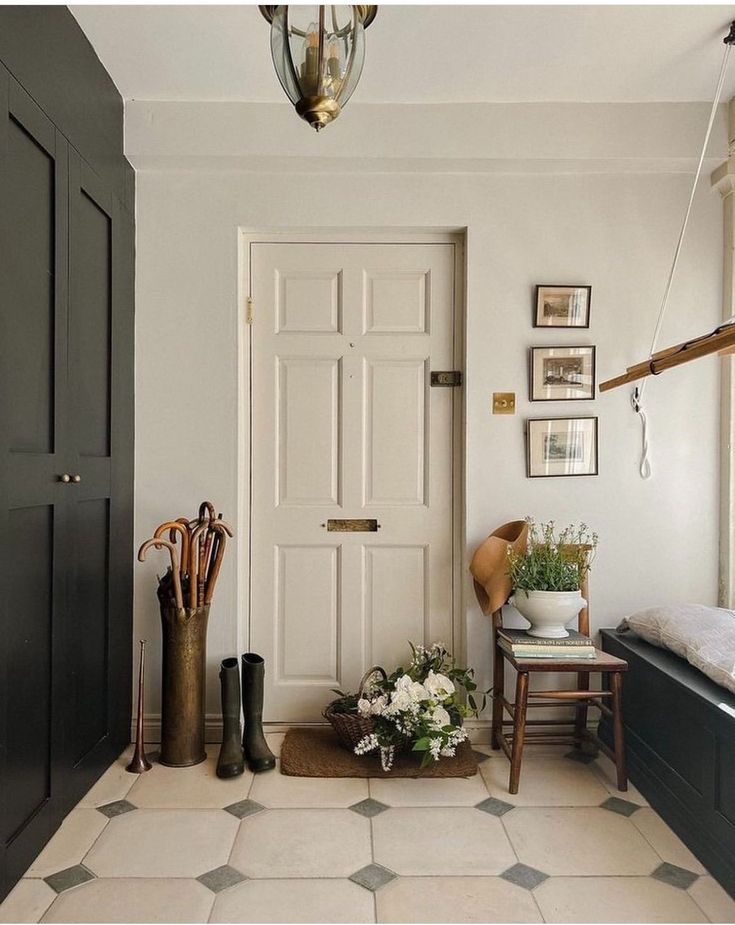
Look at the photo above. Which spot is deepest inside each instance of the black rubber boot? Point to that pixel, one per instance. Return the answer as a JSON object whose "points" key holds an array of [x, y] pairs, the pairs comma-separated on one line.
{"points": [[230, 762], [257, 754]]}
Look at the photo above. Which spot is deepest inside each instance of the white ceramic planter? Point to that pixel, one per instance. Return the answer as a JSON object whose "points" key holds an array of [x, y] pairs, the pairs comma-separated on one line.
{"points": [[548, 611]]}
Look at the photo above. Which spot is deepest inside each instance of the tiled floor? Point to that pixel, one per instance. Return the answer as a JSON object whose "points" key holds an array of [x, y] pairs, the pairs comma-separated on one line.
{"points": [[182, 846]]}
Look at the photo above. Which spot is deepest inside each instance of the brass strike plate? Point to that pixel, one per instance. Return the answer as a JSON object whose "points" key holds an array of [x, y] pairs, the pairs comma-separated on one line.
{"points": [[504, 402]]}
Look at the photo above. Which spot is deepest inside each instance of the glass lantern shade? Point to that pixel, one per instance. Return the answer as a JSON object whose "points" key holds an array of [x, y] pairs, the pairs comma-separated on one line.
{"points": [[318, 53]]}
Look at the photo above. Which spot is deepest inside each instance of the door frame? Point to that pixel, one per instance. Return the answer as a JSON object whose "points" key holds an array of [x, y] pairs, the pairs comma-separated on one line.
{"points": [[246, 238]]}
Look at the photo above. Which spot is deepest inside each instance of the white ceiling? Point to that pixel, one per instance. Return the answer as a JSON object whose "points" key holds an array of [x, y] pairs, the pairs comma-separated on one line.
{"points": [[427, 53]]}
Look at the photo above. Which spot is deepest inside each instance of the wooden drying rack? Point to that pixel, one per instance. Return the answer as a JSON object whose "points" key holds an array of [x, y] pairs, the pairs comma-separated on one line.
{"points": [[721, 340]]}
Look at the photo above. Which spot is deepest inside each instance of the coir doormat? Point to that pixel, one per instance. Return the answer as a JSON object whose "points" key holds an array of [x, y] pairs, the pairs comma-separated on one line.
{"points": [[318, 753]]}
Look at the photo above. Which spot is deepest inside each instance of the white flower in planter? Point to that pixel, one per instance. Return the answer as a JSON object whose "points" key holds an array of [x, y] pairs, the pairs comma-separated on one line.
{"points": [[407, 695], [364, 707], [440, 718], [439, 685], [378, 705]]}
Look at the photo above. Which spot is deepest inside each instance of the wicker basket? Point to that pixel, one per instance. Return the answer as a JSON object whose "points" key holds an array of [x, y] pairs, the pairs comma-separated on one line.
{"points": [[351, 728]]}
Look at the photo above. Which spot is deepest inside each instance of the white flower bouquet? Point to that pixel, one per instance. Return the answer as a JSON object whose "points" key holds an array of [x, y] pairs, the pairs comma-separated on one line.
{"points": [[419, 708]]}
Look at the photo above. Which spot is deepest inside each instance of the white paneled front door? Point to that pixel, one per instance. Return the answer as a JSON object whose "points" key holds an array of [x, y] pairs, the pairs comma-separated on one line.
{"points": [[345, 428]]}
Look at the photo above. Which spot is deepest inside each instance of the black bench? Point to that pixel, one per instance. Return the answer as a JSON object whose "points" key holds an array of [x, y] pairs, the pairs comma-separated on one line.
{"points": [[680, 740]]}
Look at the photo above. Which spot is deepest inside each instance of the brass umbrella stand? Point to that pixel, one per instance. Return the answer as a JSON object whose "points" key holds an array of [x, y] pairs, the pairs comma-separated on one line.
{"points": [[184, 596]]}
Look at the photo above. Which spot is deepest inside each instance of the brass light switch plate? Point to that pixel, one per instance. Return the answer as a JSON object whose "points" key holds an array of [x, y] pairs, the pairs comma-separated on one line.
{"points": [[504, 402]]}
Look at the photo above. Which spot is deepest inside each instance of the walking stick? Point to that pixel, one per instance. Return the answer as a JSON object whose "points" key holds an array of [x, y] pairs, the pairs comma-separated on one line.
{"points": [[139, 763]]}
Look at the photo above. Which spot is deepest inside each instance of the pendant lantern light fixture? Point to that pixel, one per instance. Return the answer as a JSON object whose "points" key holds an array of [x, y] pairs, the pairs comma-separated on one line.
{"points": [[318, 53]]}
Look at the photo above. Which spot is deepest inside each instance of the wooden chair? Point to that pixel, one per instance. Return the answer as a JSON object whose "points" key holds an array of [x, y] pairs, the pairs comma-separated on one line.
{"points": [[608, 700]]}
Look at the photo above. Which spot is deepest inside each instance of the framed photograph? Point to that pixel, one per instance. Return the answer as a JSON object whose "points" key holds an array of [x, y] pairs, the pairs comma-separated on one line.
{"points": [[561, 446], [562, 373], [562, 307]]}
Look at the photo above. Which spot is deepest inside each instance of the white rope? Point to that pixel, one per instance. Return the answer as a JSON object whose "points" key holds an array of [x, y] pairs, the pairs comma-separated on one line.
{"points": [[637, 396]]}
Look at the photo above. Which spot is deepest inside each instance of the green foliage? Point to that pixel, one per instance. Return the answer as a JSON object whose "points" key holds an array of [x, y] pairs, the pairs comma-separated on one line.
{"points": [[551, 562]]}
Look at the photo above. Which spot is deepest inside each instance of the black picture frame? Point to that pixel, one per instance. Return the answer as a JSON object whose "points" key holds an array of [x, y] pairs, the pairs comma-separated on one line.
{"points": [[534, 387], [594, 470], [560, 290]]}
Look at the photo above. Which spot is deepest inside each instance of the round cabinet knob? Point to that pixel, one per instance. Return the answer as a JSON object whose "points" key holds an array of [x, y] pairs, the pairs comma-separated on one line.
{"points": [[76, 478], [65, 477]]}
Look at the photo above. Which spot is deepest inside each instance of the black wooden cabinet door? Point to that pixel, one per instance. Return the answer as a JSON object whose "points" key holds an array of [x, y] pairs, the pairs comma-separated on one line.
{"points": [[97, 633], [34, 449]]}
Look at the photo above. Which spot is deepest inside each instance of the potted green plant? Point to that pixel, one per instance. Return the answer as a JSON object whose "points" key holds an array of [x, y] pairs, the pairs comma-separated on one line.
{"points": [[547, 577]]}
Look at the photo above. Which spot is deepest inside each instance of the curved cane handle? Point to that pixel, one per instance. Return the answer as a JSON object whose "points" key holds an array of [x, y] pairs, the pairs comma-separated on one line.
{"points": [[160, 543]]}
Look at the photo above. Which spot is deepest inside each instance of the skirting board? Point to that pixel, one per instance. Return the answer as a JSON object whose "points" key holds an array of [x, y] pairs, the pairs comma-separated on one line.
{"points": [[479, 730]]}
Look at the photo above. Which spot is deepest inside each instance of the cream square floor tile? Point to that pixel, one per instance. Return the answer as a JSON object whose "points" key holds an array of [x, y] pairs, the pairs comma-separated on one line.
{"points": [[554, 782], [189, 788], [114, 784], [605, 770], [716, 904], [163, 843], [437, 791], [441, 841], [302, 843], [275, 741], [294, 901], [664, 841], [78, 832], [455, 899], [275, 789], [614, 899], [27, 901], [581, 840], [132, 900]]}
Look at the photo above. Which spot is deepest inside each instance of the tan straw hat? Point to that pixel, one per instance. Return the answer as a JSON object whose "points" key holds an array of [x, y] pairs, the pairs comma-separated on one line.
{"points": [[489, 566]]}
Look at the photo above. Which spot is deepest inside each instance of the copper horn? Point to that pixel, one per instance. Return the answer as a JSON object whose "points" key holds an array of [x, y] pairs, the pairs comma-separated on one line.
{"points": [[174, 527], [139, 763], [160, 543]]}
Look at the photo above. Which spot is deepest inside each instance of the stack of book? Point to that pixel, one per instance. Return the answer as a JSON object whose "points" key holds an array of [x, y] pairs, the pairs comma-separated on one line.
{"points": [[520, 645]]}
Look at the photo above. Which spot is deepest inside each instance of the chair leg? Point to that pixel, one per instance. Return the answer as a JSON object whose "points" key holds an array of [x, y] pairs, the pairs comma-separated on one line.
{"points": [[618, 735], [498, 691], [519, 730], [580, 711]]}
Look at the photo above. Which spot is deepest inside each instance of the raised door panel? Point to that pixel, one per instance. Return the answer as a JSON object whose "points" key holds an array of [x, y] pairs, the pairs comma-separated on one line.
{"points": [[89, 627], [30, 207], [308, 301], [396, 301], [308, 615], [27, 631], [91, 318], [396, 595], [307, 403], [395, 455]]}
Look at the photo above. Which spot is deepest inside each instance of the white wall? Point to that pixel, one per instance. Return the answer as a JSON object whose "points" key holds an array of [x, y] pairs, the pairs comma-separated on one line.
{"points": [[613, 231]]}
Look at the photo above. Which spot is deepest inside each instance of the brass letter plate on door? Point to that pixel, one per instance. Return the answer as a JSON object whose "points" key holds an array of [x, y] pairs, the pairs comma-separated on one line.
{"points": [[353, 526], [448, 379]]}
